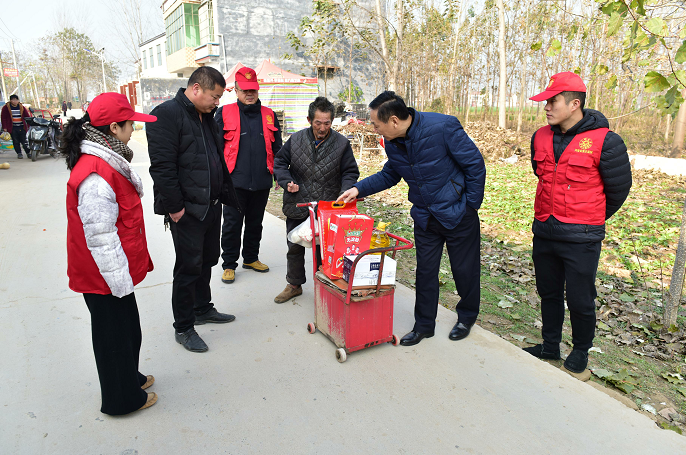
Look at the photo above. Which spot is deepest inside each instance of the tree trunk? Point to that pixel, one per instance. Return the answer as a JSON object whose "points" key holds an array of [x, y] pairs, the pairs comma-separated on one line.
{"points": [[676, 285], [680, 127], [522, 96], [384, 48], [398, 43], [668, 127], [502, 86]]}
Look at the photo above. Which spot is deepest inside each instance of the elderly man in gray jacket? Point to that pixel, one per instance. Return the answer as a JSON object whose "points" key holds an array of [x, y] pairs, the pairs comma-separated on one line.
{"points": [[315, 164]]}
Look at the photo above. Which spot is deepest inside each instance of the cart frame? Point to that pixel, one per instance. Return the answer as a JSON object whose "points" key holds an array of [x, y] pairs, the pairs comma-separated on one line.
{"points": [[353, 323]]}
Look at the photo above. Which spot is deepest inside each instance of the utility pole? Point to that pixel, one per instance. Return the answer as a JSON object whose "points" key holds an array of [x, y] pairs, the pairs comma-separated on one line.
{"points": [[2, 75], [16, 66]]}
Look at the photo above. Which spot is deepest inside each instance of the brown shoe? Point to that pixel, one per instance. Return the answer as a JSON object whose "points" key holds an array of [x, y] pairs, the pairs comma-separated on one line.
{"points": [[152, 399], [149, 382], [229, 276], [256, 266], [288, 293]]}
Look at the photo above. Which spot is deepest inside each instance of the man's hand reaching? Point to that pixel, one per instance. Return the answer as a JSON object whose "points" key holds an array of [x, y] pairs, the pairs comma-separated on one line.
{"points": [[349, 195]]}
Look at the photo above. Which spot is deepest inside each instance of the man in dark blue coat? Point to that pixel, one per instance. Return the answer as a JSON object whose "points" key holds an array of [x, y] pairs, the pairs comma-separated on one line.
{"points": [[446, 175]]}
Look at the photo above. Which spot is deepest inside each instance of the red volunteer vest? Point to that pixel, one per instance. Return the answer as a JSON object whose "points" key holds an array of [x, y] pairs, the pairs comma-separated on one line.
{"points": [[572, 189], [83, 272], [232, 134]]}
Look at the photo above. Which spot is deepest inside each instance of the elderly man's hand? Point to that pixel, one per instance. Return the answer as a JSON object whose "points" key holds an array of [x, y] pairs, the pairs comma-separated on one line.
{"points": [[292, 187], [349, 195], [177, 216]]}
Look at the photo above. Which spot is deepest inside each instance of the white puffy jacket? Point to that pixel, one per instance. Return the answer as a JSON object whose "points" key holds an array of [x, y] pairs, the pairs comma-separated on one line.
{"points": [[98, 210]]}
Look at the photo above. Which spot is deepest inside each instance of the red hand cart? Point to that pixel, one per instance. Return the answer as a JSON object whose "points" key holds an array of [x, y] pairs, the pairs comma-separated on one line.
{"points": [[353, 322]]}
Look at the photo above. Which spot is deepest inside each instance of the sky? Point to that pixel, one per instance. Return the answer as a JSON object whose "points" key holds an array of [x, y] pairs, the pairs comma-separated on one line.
{"points": [[28, 21]]}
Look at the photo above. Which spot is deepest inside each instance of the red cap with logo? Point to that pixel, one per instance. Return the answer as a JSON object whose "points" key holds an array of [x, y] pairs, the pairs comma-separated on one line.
{"points": [[561, 82], [110, 107], [247, 79]]}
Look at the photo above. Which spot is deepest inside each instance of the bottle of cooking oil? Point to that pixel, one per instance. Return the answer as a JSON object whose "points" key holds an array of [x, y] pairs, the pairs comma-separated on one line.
{"points": [[379, 238]]}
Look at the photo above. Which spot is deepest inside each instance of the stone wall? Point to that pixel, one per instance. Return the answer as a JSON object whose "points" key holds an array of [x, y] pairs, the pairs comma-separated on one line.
{"points": [[254, 33]]}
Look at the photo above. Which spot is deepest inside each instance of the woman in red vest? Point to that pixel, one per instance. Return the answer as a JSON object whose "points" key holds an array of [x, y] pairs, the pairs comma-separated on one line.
{"points": [[107, 254]]}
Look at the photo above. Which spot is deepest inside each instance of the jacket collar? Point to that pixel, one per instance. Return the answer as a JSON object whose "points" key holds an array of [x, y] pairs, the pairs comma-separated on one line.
{"points": [[189, 106], [413, 130]]}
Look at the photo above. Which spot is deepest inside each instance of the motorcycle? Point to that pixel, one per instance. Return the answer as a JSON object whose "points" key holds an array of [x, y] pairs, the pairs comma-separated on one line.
{"points": [[43, 136]]}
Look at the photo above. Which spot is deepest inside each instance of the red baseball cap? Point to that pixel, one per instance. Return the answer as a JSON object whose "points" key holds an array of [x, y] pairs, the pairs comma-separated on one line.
{"points": [[247, 79], [110, 107], [561, 82]]}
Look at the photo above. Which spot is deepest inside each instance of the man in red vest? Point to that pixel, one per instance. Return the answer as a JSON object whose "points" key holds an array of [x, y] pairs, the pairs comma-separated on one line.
{"points": [[584, 177], [252, 137]]}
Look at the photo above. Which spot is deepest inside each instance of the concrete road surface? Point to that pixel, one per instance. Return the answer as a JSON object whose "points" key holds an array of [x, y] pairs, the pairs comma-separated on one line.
{"points": [[267, 386]]}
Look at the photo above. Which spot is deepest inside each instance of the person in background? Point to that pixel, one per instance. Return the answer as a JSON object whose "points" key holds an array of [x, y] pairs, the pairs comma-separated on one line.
{"points": [[12, 117], [251, 138], [584, 177], [190, 180], [315, 164], [64, 108], [107, 253]]}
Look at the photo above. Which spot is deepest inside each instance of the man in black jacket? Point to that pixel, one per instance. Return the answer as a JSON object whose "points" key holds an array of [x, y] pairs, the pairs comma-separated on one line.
{"points": [[315, 164], [584, 178], [252, 137], [190, 180]]}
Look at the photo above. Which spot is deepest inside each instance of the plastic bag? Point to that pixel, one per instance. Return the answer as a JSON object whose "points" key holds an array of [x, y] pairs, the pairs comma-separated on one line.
{"points": [[302, 234]]}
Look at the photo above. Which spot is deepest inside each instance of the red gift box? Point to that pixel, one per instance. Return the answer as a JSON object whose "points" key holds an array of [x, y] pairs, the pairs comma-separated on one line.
{"points": [[349, 235], [325, 210]]}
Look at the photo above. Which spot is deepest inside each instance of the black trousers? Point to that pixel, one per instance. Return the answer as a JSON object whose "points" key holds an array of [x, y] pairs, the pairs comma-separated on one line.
{"points": [[196, 244], [116, 333], [572, 264], [463, 244], [18, 134], [253, 204], [295, 257]]}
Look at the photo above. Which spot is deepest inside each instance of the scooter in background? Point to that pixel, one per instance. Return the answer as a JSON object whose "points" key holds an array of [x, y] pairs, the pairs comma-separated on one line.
{"points": [[43, 135]]}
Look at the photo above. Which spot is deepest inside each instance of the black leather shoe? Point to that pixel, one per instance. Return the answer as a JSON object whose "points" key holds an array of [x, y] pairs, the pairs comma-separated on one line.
{"points": [[191, 340], [214, 317], [413, 338], [460, 331]]}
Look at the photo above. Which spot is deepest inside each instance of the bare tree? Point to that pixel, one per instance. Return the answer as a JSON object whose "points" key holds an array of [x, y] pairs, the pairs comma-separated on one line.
{"points": [[502, 86]]}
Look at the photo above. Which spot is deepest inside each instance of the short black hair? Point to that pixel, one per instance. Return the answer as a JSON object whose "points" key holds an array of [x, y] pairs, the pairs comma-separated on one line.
{"points": [[570, 96], [207, 77], [388, 104], [321, 104], [13, 97]]}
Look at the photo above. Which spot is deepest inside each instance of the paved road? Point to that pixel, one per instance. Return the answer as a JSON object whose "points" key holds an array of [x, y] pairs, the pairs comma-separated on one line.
{"points": [[267, 386]]}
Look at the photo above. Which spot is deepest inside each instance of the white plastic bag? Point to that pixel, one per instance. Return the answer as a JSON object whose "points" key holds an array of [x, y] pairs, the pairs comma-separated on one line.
{"points": [[302, 234]]}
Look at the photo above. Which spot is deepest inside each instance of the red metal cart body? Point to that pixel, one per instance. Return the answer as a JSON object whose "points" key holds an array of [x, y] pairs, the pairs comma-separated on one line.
{"points": [[353, 322]]}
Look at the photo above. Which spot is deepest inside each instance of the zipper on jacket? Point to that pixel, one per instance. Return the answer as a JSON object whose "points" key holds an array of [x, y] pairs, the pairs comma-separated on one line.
{"points": [[552, 190], [209, 171]]}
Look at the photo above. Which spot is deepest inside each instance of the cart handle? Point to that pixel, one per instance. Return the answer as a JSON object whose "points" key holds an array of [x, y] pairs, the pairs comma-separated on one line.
{"points": [[407, 245]]}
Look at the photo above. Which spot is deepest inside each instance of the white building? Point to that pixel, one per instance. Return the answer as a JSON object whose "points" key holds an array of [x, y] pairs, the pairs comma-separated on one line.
{"points": [[153, 54]]}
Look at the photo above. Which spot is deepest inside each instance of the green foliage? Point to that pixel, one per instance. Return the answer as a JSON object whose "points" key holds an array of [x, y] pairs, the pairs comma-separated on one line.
{"points": [[554, 49], [655, 82], [356, 94], [641, 42], [536, 46]]}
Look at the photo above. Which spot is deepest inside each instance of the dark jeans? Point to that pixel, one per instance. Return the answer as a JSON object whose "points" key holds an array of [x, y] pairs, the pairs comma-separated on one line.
{"points": [[463, 244], [196, 244], [253, 204], [573, 264], [116, 333], [18, 134], [295, 258]]}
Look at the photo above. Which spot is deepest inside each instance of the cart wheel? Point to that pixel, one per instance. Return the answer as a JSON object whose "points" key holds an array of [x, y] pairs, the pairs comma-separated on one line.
{"points": [[310, 327], [340, 355], [396, 340]]}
